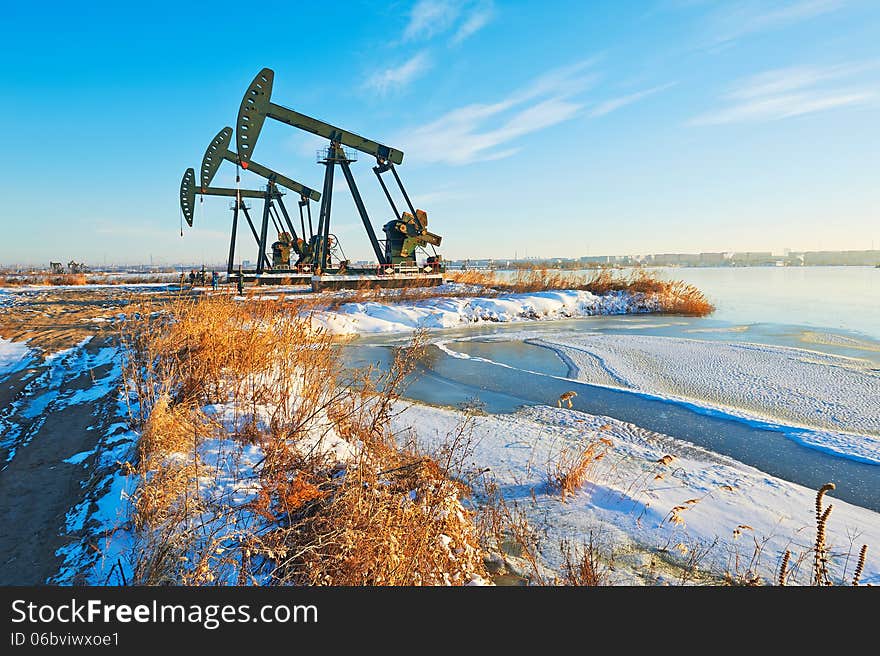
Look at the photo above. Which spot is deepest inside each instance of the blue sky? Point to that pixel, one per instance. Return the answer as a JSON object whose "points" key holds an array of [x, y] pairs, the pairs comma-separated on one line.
{"points": [[542, 129]]}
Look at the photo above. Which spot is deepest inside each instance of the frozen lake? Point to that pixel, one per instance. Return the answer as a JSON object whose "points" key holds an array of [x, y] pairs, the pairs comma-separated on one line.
{"points": [[812, 325]]}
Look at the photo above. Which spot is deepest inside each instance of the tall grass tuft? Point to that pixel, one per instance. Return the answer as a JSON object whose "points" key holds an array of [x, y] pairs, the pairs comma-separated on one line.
{"points": [[820, 555], [572, 467], [860, 565]]}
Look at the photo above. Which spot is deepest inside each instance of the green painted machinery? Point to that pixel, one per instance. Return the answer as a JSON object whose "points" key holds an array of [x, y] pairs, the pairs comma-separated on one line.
{"points": [[406, 233]]}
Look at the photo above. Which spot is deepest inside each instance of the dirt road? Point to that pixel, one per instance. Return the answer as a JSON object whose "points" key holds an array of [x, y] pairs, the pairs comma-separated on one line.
{"points": [[57, 407]]}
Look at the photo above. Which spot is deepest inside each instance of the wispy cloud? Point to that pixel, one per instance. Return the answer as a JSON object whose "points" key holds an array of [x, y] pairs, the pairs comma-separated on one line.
{"points": [[788, 92], [733, 20], [400, 76], [613, 104], [479, 16], [429, 18], [483, 131]]}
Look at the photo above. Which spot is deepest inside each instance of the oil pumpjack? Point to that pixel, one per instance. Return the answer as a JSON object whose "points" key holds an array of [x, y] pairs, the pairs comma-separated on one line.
{"points": [[405, 234]]}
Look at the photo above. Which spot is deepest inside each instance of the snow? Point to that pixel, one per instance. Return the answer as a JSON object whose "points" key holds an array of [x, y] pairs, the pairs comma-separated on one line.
{"points": [[229, 470], [20, 289], [442, 312], [13, 356], [320, 438], [835, 399], [730, 509], [77, 458]]}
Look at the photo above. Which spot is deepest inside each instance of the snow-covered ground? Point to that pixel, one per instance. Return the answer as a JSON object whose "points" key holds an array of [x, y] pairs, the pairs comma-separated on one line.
{"points": [[374, 317], [7, 292], [731, 518], [13, 356]]}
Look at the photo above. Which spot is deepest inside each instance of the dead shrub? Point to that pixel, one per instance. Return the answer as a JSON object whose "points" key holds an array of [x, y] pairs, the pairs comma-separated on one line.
{"points": [[582, 566], [573, 467]]}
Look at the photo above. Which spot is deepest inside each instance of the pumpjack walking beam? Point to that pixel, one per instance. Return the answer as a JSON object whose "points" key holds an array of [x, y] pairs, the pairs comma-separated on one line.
{"points": [[218, 152], [256, 106], [187, 206]]}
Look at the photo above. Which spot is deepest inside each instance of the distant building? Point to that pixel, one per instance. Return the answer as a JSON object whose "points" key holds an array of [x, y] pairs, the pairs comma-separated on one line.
{"points": [[712, 259], [827, 258], [752, 258], [675, 259]]}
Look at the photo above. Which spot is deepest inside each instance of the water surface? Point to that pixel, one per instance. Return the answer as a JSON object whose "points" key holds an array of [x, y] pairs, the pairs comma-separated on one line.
{"points": [[834, 310]]}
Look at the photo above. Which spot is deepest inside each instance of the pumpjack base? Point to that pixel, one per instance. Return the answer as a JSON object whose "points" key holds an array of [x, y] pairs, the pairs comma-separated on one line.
{"points": [[276, 277], [330, 281], [351, 279]]}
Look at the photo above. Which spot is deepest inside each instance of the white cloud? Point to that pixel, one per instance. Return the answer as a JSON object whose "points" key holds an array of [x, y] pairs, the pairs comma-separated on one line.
{"points": [[400, 76], [788, 92], [481, 131], [784, 106], [609, 106], [734, 20], [477, 19], [485, 131], [783, 80], [430, 17]]}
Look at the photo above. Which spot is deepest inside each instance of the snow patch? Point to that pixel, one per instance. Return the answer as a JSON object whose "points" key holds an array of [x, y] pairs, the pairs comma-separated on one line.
{"points": [[13, 356], [373, 317]]}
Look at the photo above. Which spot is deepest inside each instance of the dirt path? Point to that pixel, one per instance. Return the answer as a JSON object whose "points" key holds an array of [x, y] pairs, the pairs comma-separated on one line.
{"points": [[37, 487], [58, 406]]}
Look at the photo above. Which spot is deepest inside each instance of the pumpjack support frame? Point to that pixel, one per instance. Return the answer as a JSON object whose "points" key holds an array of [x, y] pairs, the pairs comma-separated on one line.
{"points": [[218, 152], [256, 106], [404, 234], [187, 206]]}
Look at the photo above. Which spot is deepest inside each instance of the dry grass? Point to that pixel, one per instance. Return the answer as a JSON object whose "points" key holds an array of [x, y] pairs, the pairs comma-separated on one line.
{"points": [[378, 514], [573, 467], [43, 279], [675, 297], [369, 291], [582, 566]]}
